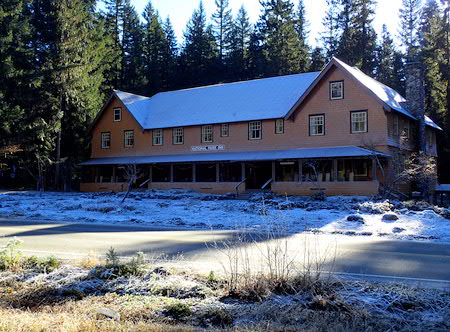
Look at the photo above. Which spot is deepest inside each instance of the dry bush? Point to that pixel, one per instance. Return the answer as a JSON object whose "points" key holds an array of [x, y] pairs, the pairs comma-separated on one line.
{"points": [[90, 261]]}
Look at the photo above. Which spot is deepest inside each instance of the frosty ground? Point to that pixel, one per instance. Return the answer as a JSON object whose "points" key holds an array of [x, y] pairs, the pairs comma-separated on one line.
{"points": [[190, 210]]}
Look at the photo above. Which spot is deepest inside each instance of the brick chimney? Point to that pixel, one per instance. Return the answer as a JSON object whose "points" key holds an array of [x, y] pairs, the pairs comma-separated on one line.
{"points": [[415, 95]]}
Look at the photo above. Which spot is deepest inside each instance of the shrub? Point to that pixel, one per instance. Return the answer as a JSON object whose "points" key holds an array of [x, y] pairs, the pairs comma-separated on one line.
{"points": [[10, 256], [178, 310], [217, 317], [320, 196], [112, 258], [48, 264]]}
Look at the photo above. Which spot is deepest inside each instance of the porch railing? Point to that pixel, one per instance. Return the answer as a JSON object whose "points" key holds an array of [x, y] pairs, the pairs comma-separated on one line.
{"points": [[267, 183]]}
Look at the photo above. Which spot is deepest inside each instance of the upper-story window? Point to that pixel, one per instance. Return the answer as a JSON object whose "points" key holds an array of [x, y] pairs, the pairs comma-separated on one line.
{"points": [[255, 130], [207, 134], [279, 126], [106, 140], [317, 125], [359, 122], [395, 124], [337, 90], [117, 114], [224, 130], [178, 135], [157, 137], [128, 137]]}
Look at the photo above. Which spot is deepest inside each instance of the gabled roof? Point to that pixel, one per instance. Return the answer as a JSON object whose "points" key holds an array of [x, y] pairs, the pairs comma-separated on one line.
{"points": [[260, 99], [386, 95], [301, 153]]}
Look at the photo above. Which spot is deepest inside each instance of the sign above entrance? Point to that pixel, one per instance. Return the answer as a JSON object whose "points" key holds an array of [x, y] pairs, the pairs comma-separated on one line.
{"points": [[207, 148]]}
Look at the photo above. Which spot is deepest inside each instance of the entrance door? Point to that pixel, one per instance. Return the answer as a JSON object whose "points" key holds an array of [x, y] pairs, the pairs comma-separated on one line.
{"points": [[257, 174]]}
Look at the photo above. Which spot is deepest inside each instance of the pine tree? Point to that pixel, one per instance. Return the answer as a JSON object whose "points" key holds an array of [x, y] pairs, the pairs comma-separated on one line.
{"points": [[409, 23], [385, 56], [238, 57], [170, 58], [223, 21], [154, 50], [132, 43], [199, 54], [330, 38], [318, 60], [301, 26], [280, 41], [433, 55]]}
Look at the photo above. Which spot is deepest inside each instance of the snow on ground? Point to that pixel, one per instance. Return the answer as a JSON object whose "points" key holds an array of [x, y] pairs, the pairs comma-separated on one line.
{"points": [[186, 209]]}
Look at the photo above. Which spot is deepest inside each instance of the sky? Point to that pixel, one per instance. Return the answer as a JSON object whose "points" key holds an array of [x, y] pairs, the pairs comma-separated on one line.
{"points": [[180, 11]]}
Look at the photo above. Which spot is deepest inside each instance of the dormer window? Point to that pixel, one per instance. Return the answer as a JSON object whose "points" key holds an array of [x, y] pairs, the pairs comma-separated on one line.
{"points": [[117, 114], [337, 90]]}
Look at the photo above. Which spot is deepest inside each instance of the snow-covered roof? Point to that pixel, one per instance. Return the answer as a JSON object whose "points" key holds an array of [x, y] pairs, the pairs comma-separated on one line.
{"points": [[302, 153], [387, 95], [260, 99]]}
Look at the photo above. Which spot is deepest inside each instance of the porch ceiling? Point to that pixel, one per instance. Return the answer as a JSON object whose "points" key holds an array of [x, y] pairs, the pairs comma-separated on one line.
{"points": [[303, 153]]}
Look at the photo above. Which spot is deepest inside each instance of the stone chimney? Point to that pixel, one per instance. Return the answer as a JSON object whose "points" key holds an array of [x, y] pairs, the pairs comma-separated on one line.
{"points": [[415, 95]]}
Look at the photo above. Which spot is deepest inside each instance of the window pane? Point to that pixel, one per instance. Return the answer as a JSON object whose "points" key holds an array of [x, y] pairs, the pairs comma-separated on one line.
{"points": [[178, 136], [317, 170], [182, 173], [336, 89], [224, 130], [230, 172], [161, 173], [279, 126], [129, 138], [359, 122], [286, 171], [205, 172], [117, 114], [207, 134], [255, 131], [316, 125], [157, 137]]}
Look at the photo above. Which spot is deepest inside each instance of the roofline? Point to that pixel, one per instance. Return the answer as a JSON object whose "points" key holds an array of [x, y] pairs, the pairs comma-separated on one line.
{"points": [[105, 105]]}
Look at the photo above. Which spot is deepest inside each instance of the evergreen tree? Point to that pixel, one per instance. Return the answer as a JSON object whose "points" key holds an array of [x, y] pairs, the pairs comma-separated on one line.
{"points": [[199, 54], [409, 23], [318, 60], [330, 38], [280, 40], [385, 56], [238, 57], [223, 21], [433, 55], [154, 50], [170, 57], [132, 41], [301, 26]]}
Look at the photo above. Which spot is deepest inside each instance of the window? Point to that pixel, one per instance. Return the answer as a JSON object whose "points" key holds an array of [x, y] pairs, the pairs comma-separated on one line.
{"points": [[117, 114], [354, 170], [106, 140], [317, 170], [286, 171], [178, 136], [359, 122], [182, 173], [157, 138], [225, 130], [317, 125], [396, 128], [207, 134], [205, 173], [161, 173], [230, 172], [254, 130], [128, 137], [279, 126], [337, 90]]}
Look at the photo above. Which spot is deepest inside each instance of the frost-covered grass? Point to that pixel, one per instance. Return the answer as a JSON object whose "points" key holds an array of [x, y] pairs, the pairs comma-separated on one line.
{"points": [[190, 210], [164, 299]]}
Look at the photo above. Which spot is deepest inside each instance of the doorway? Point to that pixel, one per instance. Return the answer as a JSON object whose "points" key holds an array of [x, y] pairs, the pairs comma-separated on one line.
{"points": [[257, 174]]}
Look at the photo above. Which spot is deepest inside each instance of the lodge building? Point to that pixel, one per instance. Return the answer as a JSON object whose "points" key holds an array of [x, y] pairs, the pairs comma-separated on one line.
{"points": [[337, 131]]}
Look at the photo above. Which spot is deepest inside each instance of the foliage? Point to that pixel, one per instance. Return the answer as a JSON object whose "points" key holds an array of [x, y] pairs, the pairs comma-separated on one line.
{"points": [[178, 310]]}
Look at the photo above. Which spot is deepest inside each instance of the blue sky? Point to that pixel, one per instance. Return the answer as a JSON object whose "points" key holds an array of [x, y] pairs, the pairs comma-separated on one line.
{"points": [[180, 11]]}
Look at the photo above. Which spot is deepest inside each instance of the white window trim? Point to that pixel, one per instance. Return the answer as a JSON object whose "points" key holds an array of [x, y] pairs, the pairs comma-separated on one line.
{"points": [[365, 122], [311, 124], [120, 114], [207, 130], [174, 131], [103, 140], [126, 138], [222, 126], [332, 84], [159, 136], [251, 129], [279, 126]]}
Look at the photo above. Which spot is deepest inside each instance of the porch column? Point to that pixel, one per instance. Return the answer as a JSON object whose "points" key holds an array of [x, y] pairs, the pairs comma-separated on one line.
{"points": [[217, 172], [150, 173], [171, 172], [335, 170], [374, 169], [273, 171], [113, 178], [194, 172], [300, 170], [242, 171]]}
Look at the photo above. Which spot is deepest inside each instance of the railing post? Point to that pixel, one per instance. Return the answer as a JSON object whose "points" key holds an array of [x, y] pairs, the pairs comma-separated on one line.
{"points": [[300, 170]]}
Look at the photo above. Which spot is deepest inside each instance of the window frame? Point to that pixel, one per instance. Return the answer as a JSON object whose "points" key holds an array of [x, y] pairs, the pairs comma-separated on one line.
{"points": [[203, 134], [277, 121], [225, 125], [366, 122], [120, 114], [331, 89], [101, 140], [250, 130], [161, 131], [323, 124], [174, 130], [125, 132]]}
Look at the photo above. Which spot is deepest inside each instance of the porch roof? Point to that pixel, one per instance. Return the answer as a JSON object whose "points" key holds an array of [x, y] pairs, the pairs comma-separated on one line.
{"points": [[302, 153]]}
